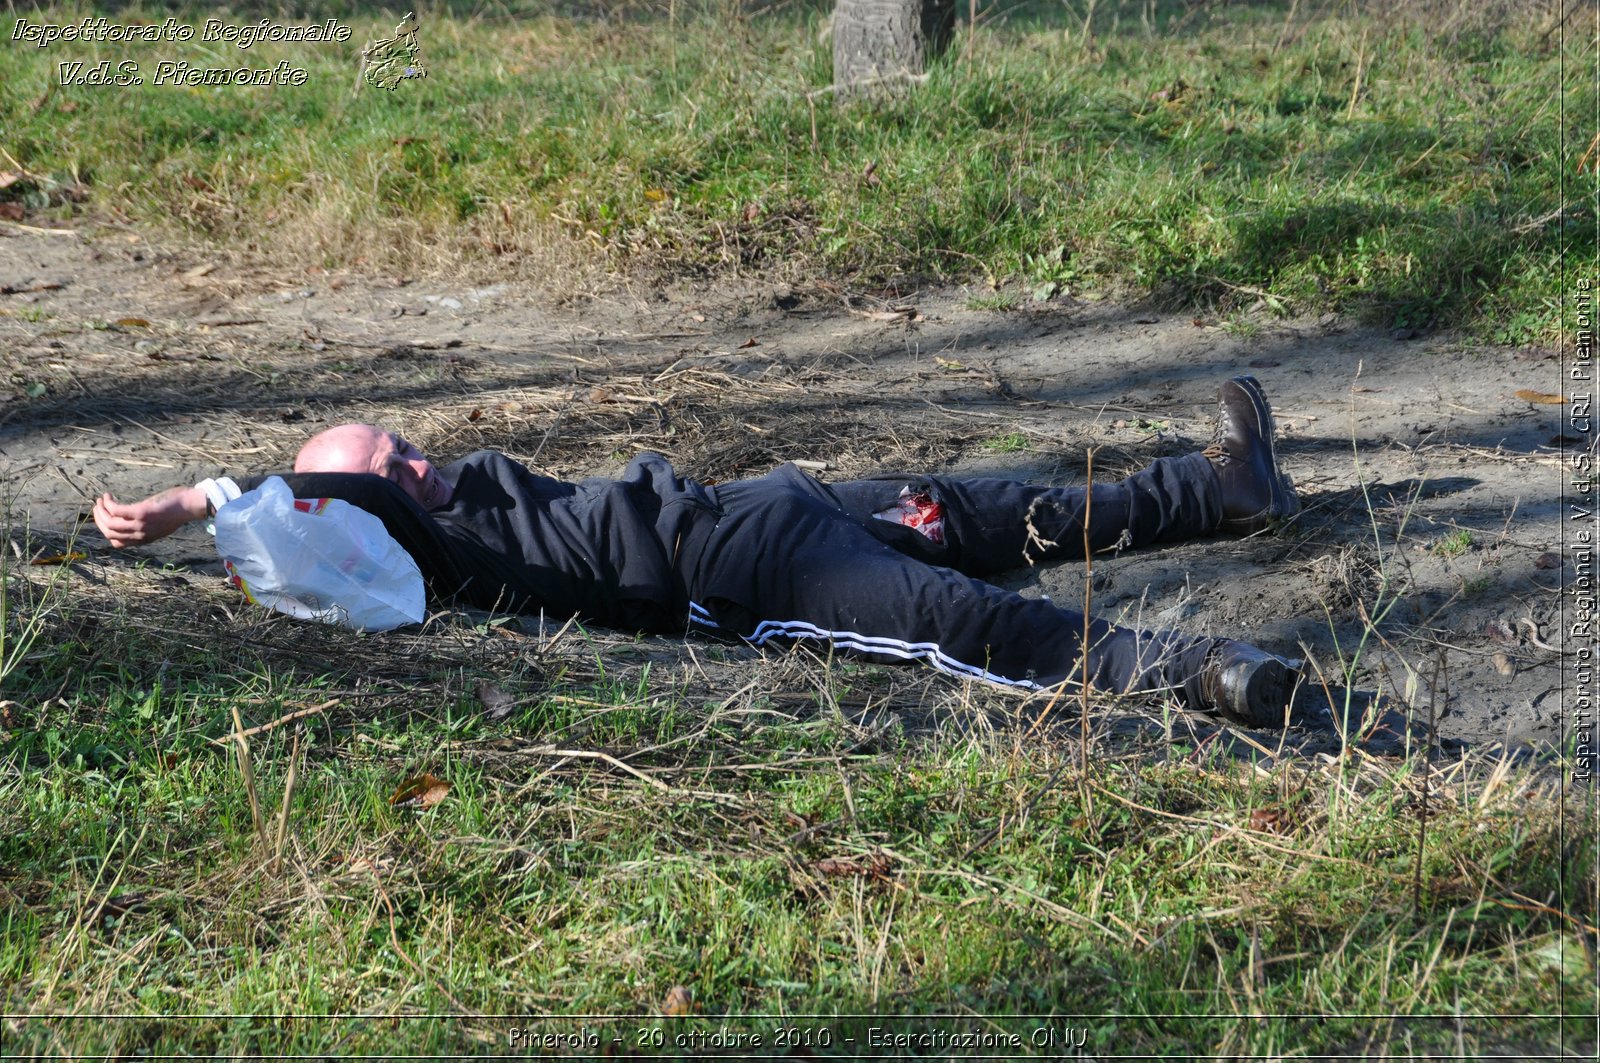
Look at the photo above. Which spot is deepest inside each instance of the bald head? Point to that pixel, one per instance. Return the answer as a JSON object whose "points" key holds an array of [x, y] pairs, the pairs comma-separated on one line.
{"points": [[370, 449], [347, 448]]}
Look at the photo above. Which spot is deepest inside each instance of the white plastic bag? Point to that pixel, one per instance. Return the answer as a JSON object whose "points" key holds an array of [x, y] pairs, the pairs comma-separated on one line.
{"points": [[318, 559]]}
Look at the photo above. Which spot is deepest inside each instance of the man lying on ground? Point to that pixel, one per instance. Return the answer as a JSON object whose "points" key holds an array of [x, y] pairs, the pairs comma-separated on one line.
{"points": [[887, 568]]}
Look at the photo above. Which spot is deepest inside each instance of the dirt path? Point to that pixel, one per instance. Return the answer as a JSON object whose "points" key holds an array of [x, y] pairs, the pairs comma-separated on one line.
{"points": [[130, 368]]}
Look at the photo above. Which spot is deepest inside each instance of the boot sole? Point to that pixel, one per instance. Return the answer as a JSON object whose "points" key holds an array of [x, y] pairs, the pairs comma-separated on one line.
{"points": [[1266, 692], [1285, 502]]}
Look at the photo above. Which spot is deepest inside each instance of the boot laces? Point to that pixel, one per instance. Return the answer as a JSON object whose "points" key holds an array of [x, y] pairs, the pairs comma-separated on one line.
{"points": [[1216, 451]]}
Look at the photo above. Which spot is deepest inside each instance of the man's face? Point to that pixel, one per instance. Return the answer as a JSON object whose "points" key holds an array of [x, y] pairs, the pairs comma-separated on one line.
{"points": [[397, 461], [364, 448]]}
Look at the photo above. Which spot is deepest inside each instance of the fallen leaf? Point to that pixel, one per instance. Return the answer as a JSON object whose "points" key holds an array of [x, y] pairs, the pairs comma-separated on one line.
{"points": [[60, 559], [680, 1001], [654, 195], [132, 322], [751, 342], [1269, 820], [424, 791], [1500, 631], [11, 212], [496, 702], [874, 866], [1543, 398], [1504, 665], [752, 211], [1546, 561], [599, 395], [9, 178]]}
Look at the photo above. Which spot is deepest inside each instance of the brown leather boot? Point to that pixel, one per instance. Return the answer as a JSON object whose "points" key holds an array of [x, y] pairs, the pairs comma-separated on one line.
{"points": [[1249, 684], [1255, 491]]}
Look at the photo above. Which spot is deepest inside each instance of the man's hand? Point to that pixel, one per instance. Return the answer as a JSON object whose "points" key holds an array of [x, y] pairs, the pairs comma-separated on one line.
{"points": [[132, 523]]}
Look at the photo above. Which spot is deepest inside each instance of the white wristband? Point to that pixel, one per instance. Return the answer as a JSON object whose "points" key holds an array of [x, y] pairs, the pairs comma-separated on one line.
{"points": [[218, 492]]}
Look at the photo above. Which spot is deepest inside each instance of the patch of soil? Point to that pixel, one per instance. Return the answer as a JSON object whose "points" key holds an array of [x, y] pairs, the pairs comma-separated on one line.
{"points": [[1425, 570]]}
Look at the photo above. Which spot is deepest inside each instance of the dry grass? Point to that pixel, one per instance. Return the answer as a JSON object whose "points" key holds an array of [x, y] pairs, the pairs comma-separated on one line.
{"points": [[888, 839]]}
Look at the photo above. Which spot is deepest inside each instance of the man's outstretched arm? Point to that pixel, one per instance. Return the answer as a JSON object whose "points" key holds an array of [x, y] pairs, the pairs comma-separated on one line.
{"points": [[447, 566], [145, 521]]}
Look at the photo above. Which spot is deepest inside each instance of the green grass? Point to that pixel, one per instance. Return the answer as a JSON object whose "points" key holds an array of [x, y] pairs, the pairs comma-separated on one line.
{"points": [[770, 855], [1000, 301], [1380, 164], [1010, 443], [1453, 544]]}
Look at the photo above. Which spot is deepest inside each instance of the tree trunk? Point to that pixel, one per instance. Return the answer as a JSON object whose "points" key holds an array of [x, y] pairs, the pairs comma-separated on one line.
{"points": [[880, 47]]}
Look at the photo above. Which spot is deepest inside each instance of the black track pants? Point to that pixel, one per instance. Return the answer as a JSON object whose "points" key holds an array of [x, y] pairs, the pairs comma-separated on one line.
{"points": [[794, 558]]}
